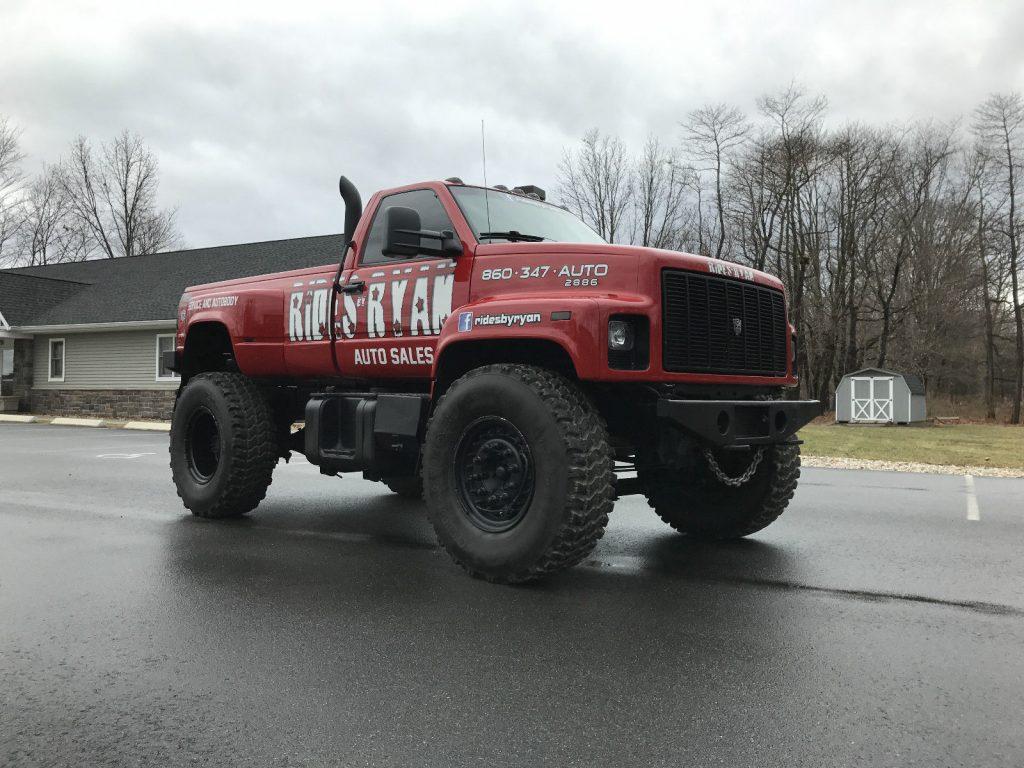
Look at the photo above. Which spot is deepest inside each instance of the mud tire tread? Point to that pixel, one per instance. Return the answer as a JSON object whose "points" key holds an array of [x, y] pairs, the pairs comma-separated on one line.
{"points": [[688, 513], [253, 446], [590, 467]]}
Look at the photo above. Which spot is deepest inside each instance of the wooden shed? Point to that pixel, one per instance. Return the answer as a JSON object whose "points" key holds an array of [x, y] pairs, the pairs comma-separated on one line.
{"points": [[877, 396]]}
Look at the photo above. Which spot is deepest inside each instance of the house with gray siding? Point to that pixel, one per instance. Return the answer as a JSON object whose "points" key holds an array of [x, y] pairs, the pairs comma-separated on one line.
{"points": [[84, 338]]}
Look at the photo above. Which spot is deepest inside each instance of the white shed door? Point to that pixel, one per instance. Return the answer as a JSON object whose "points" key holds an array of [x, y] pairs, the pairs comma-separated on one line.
{"points": [[871, 398]]}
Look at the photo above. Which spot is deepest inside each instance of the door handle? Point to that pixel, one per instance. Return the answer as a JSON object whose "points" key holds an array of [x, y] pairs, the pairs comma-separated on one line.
{"points": [[354, 286]]}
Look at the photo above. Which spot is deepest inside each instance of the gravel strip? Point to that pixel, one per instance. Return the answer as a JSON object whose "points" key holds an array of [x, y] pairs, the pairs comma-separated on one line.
{"points": [[833, 462]]}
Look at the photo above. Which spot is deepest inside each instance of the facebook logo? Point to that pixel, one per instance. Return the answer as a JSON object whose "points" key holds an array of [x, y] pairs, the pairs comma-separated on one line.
{"points": [[465, 321]]}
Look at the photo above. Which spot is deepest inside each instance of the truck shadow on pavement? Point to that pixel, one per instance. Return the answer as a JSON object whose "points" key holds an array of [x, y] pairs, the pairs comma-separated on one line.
{"points": [[378, 531], [374, 539]]}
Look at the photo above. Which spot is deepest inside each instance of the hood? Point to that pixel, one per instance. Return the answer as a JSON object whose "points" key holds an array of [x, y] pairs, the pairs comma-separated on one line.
{"points": [[644, 258]]}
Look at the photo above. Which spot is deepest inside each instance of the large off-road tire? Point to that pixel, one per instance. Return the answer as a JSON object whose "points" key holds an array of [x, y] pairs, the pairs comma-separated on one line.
{"points": [[406, 487], [702, 507], [223, 445], [517, 472]]}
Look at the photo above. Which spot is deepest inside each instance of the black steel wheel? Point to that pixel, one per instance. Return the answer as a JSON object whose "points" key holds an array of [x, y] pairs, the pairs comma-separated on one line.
{"points": [[517, 472], [223, 445], [495, 473], [202, 445]]}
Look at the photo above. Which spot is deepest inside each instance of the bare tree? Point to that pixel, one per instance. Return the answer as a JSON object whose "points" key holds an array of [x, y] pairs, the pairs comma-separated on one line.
{"points": [[594, 181], [898, 246], [917, 168], [50, 232], [796, 170], [999, 125], [756, 203], [862, 168], [11, 180], [113, 193], [660, 217], [979, 178], [714, 133]]}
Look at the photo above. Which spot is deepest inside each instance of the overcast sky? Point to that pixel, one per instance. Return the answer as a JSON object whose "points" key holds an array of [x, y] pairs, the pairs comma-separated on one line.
{"points": [[254, 110]]}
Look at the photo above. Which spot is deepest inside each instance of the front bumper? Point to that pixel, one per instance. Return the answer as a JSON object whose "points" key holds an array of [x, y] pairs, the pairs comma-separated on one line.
{"points": [[739, 423]]}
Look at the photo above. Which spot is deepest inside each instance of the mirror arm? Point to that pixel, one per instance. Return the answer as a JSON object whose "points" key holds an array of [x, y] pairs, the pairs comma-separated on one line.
{"points": [[428, 233], [449, 245]]}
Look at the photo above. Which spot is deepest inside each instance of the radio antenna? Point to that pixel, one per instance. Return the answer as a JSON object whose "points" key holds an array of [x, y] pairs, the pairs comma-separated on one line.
{"points": [[483, 152]]}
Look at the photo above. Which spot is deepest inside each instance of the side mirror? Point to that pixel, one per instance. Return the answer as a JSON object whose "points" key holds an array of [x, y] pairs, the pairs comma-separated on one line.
{"points": [[402, 225], [405, 238]]}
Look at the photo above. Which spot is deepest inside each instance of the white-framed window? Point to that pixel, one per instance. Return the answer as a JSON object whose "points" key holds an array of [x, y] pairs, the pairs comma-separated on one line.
{"points": [[56, 365], [164, 343], [6, 370]]}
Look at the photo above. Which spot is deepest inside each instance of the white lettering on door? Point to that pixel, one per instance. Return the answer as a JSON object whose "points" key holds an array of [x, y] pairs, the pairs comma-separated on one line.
{"points": [[419, 317]]}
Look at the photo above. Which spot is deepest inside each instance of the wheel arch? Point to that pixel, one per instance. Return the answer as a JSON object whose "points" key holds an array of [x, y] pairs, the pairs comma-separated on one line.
{"points": [[460, 357], [208, 348]]}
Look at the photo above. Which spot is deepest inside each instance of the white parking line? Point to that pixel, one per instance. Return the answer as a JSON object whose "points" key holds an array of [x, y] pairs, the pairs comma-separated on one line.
{"points": [[972, 499]]}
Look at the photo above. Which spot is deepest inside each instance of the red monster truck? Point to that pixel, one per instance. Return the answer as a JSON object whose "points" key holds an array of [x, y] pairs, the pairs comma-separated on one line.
{"points": [[489, 349]]}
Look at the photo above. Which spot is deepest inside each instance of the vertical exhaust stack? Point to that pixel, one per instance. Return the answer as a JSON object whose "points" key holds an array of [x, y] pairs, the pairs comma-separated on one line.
{"points": [[353, 212], [353, 208]]}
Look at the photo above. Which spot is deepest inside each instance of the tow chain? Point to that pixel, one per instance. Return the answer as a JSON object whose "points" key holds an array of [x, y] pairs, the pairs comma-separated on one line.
{"points": [[733, 482]]}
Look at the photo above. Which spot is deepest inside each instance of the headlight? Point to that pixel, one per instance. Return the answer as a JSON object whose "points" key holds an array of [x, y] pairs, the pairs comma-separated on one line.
{"points": [[621, 337], [629, 342]]}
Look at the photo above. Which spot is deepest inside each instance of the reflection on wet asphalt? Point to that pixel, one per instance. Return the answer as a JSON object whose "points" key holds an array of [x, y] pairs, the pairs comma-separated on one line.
{"points": [[869, 626]]}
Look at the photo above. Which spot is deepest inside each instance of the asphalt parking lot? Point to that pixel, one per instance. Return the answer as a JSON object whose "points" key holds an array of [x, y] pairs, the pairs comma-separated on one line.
{"points": [[874, 624]]}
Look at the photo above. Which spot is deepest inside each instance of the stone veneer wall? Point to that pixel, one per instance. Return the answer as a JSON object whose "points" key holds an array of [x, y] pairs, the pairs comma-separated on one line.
{"points": [[124, 404]]}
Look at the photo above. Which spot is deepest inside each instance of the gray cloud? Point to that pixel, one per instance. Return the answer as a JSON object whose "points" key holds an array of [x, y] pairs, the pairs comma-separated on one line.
{"points": [[255, 110]]}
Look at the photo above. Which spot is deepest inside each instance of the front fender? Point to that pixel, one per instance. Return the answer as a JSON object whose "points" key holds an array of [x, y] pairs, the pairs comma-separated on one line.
{"points": [[576, 323]]}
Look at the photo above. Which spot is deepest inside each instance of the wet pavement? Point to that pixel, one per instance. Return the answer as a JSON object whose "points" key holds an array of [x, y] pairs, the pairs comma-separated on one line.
{"points": [[874, 624]]}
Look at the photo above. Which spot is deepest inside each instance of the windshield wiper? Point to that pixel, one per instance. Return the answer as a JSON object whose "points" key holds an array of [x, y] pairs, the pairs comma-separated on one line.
{"points": [[512, 236]]}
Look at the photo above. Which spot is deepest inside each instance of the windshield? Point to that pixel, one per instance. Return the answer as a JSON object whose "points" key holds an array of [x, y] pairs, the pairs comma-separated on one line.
{"points": [[518, 218]]}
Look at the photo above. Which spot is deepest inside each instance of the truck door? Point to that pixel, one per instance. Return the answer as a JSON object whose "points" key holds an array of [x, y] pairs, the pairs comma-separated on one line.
{"points": [[307, 297], [391, 309]]}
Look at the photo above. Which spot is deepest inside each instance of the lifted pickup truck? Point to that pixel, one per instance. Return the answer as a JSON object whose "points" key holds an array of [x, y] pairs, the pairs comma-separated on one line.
{"points": [[488, 350]]}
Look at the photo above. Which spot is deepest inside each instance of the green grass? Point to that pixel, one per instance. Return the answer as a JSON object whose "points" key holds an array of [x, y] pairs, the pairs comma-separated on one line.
{"points": [[979, 445]]}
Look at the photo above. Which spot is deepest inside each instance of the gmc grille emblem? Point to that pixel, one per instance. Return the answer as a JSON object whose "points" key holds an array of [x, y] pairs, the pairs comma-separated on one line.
{"points": [[737, 326]]}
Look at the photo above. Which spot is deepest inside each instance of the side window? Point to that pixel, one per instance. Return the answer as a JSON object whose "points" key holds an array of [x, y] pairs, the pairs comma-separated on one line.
{"points": [[164, 343], [424, 202], [6, 371], [56, 372]]}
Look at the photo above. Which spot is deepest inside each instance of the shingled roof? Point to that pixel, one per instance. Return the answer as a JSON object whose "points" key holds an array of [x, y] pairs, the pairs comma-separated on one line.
{"points": [[147, 287], [22, 296]]}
